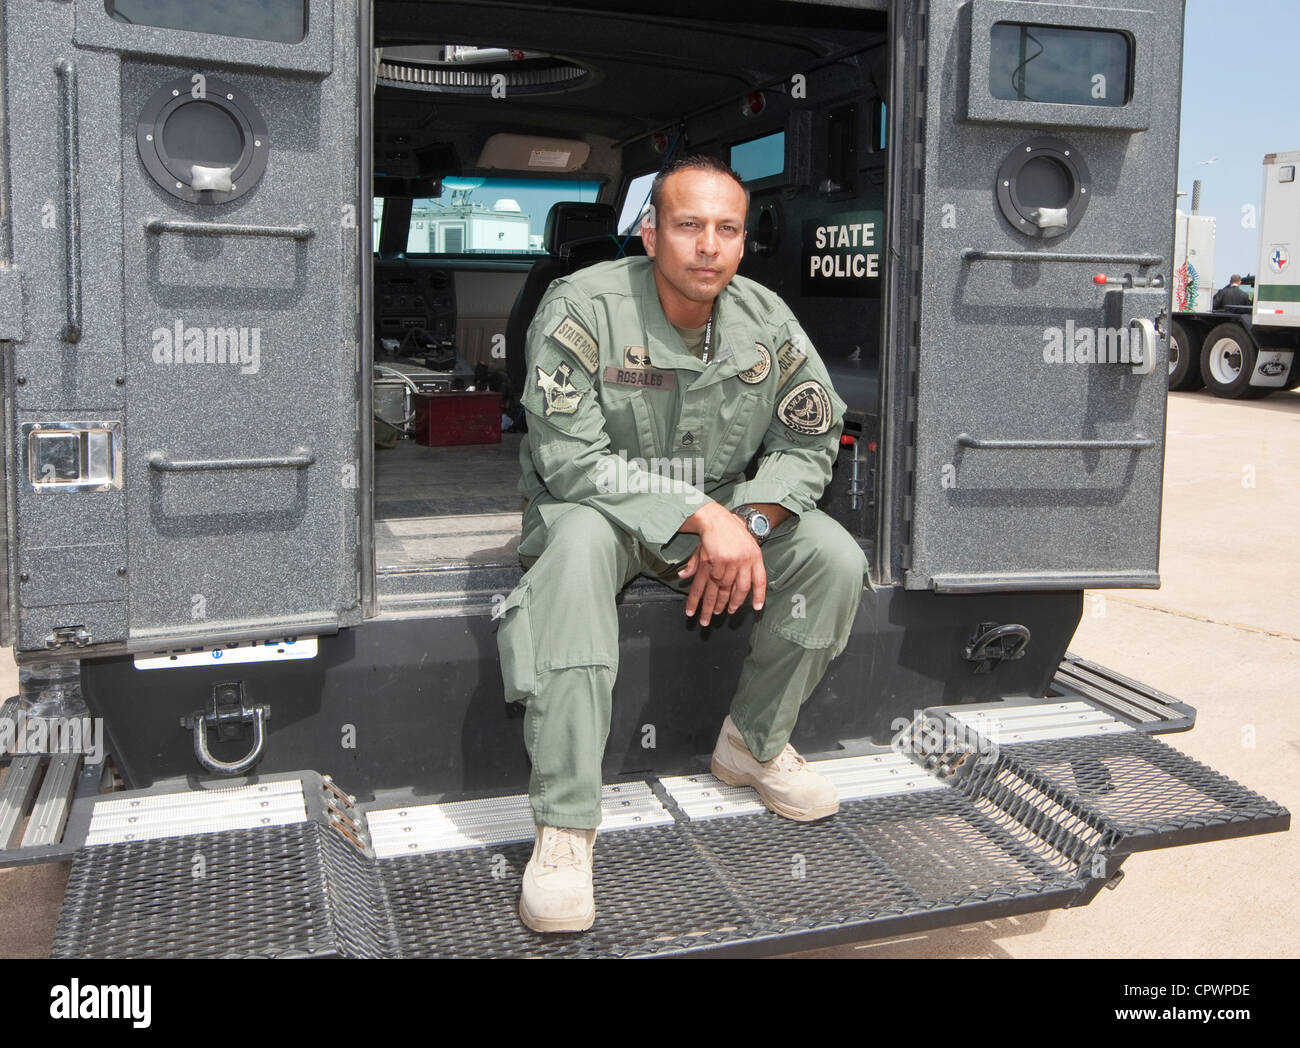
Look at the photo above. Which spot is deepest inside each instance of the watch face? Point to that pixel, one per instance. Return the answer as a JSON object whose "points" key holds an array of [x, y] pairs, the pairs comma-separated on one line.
{"points": [[760, 525]]}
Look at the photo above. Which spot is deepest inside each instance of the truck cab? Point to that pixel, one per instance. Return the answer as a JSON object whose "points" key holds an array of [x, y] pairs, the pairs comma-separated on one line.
{"points": [[1239, 351], [263, 324]]}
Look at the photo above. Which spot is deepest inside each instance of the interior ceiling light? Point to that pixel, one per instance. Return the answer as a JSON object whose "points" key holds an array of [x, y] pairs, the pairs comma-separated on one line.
{"points": [[458, 69]]}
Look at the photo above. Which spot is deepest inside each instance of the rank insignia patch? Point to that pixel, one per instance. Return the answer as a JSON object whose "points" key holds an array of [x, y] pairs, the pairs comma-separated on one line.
{"points": [[561, 396], [575, 338], [806, 409], [635, 357], [789, 359], [760, 370]]}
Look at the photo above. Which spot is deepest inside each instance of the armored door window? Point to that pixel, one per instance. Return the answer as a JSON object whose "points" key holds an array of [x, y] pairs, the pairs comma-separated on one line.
{"points": [[284, 21], [1038, 63]]}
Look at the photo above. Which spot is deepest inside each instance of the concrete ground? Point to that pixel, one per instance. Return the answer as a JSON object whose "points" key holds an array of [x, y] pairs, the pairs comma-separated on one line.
{"points": [[1223, 635]]}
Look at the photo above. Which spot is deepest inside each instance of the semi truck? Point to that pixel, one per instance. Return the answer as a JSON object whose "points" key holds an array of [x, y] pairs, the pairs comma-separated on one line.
{"points": [[261, 709], [1240, 351]]}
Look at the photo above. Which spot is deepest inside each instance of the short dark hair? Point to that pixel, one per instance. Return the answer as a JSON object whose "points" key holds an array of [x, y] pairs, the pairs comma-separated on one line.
{"points": [[693, 162], [1234, 279]]}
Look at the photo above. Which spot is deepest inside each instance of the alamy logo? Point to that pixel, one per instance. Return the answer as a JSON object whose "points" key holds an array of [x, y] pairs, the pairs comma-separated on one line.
{"points": [[67, 735], [618, 474], [179, 344], [75, 1001], [1089, 345]]}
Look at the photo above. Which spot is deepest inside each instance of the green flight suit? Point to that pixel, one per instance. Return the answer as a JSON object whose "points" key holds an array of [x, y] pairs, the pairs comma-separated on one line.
{"points": [[628, 435]]}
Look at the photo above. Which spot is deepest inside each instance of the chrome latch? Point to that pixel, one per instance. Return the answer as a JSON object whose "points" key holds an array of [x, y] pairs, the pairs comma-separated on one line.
{"points": [[72, 456], [227, 713], [61, 635]]}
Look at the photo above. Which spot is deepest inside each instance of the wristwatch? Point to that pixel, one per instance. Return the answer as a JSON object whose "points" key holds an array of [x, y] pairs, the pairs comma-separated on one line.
{"points": [[757, 523]]}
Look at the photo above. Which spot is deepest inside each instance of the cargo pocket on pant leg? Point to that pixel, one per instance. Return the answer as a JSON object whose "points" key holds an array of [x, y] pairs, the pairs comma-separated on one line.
{"points": [[515, 646]]}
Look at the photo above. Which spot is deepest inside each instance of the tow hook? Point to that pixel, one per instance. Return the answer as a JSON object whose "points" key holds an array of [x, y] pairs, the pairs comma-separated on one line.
{"points": [[227, 713], [993, 643]]}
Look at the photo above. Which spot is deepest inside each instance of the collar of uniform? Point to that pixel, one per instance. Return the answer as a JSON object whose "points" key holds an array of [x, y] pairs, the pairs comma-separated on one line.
{"points": [[731, 352]]}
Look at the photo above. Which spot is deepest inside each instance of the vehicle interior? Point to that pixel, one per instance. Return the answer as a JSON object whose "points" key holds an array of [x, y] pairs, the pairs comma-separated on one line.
{"points": [[515, 143]]}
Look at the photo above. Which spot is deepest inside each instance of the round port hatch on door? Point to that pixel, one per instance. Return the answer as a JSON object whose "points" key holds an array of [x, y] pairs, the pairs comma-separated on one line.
{"points": [[1043, 187], [202, 140]]}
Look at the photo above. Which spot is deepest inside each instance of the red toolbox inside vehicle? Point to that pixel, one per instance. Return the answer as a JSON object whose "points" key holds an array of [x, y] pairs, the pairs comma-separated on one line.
{"points": [[457, 418]]}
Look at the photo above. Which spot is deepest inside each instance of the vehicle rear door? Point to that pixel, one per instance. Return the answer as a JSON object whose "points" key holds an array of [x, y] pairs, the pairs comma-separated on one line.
{"points": [[1040, 156], [185, 367]]}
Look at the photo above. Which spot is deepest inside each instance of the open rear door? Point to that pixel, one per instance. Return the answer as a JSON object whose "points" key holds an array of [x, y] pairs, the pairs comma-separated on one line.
{"points": [[1046, 142], [185, 376]]}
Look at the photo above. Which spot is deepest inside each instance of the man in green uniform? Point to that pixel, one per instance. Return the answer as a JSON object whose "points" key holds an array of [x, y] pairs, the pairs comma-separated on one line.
{"points": [[653, 383]]}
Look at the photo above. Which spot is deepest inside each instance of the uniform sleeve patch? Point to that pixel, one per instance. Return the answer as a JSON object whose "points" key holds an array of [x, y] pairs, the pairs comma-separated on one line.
{"points": [[560, 395], [806, 409], [578, 340], [760, 370], [790, 360]]}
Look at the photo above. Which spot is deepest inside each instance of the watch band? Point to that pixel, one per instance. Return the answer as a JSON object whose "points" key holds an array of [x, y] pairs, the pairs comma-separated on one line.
{"points": [[747, 514]]}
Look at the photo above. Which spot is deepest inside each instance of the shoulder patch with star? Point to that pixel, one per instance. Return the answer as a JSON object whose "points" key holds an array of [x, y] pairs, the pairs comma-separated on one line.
{"points": [[760, 370], [806, 408], [578, 341], [561, 397]]}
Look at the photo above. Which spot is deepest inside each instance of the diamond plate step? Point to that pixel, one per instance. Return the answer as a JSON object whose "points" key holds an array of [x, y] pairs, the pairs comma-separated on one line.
{"points": [[418, 829], [189, 812], [1143, 706], [704, 796], [1002, 724]]}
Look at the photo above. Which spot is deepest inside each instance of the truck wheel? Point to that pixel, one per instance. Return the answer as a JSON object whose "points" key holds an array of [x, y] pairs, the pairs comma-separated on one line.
{"points": [[1184, 357], [1227, 362]]}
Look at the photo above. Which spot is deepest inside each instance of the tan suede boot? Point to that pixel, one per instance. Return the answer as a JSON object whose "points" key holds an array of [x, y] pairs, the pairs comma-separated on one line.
{"points": [[557, 893], [785, 783]]}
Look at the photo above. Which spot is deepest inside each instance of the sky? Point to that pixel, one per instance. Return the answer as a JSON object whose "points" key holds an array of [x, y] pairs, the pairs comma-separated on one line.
{"points": [[1240, 62]]}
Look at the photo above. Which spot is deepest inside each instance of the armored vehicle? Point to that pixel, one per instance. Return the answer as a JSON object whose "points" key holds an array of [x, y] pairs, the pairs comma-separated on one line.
{"points": [[235, 235]]}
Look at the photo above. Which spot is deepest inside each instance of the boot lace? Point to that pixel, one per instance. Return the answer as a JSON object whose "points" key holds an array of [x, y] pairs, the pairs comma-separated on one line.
{"points": [[562, 848], [788, 760]]}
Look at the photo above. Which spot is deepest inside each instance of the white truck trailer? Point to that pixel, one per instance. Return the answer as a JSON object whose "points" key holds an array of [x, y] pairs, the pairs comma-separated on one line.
{"points": [[1240, 351]]}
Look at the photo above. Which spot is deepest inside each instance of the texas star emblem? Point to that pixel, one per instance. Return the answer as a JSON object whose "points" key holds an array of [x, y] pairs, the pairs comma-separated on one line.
{"points": [[635, 357], [561, 396], [806, 409], [759, 371], [1279, 258]]}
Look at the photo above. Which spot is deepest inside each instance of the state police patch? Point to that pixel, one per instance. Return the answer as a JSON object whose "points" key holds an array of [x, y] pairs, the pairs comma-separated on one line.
{"points": [[759, 371], [806, 408]]}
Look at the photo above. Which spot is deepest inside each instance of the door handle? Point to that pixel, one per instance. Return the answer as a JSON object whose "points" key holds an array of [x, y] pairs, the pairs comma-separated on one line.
{"points": [[1146, 332], [297, 459], [1139, 442], [158, 226], [67, 73], [979, 255]]}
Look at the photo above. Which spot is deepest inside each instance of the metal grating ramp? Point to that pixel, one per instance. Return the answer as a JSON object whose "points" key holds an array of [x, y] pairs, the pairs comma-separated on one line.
{"points": [[1038, 825], [1143, 793], [296, 890]]}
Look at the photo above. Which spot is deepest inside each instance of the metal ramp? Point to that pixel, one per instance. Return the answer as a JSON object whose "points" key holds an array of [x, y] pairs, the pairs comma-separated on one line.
{"points": [[683, 866], [38, 786]]}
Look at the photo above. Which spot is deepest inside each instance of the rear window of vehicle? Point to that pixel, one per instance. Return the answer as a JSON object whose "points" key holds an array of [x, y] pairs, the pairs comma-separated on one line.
{"points": [[490, 216], [759, 157]]}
